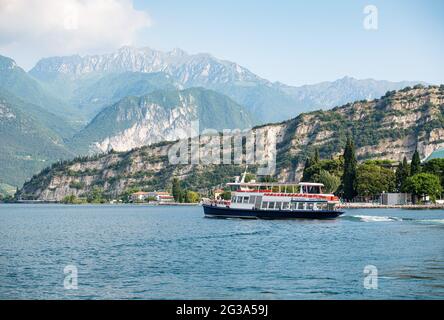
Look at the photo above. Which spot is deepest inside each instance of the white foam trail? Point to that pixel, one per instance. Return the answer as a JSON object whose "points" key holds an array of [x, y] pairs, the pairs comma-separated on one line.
{"points": [[377, 218]]}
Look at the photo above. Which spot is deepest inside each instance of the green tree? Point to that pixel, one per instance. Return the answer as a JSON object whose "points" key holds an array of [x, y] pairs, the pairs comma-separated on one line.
{"points": [[316, 156], [69, 199], [226, 195], [126, 195], [96, 196], [372, 180], [192, 197], [311, 161], [333, 166], [182, 196], [423, 184], [402, 173], [308, 164], [349, 175], [72, 199], [436, 167], [177, 190], [330, 181], [415, 166], [268, 179], [249, 177]]}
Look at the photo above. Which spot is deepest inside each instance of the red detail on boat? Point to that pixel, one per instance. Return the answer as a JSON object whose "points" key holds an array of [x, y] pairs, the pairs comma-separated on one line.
{"points": [[294, 195]]}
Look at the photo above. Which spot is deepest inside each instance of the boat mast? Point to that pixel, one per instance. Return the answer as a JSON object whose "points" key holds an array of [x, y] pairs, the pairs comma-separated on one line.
{"points": [[244, 174]]}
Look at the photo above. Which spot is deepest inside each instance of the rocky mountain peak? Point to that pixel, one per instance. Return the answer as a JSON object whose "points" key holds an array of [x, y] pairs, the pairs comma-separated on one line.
{"points": [[7, 63], [177, 52], [185, 70], [197, 69]]}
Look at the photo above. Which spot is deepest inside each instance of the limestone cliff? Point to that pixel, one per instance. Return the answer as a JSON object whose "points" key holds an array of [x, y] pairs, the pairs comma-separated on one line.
{"points": [[387, 128]]}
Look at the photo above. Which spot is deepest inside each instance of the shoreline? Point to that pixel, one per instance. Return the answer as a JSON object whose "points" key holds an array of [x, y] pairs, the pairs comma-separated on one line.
{"points": [[174, 204], [359, 205]]}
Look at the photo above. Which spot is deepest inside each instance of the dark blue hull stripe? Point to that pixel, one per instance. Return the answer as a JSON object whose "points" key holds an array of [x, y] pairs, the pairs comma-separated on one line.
{"points": [[220, 212]]}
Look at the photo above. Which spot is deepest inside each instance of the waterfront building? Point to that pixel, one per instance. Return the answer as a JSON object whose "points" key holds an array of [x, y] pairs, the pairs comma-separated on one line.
{"points": [[393, 199]]}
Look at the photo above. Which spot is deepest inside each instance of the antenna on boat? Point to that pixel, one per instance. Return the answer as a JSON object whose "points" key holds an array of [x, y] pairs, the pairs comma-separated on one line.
{"points": [[244, 174]]}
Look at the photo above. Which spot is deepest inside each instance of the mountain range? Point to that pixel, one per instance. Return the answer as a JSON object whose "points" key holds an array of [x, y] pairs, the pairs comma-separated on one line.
{"points": [[74, 105], [70, 74], [390, 128]]}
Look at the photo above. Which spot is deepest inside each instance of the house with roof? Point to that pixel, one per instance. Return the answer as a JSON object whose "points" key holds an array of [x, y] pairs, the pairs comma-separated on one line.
{"points": [[162, 196], [139, 196], [157, 196]]}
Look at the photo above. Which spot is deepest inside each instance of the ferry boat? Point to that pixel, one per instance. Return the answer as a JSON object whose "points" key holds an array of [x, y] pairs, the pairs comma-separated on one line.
{"points": [[252, 200]]}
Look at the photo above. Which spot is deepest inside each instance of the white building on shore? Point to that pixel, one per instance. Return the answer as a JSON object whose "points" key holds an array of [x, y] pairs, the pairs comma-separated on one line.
{"points": [[392, 199], [156, 196]]}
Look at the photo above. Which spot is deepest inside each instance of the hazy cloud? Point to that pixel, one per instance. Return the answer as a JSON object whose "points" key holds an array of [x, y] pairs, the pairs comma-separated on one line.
{"points": [[53, 27]]}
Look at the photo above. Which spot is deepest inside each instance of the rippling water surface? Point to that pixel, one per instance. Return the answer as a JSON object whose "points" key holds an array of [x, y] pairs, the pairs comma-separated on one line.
{"points": [[151, 252]]}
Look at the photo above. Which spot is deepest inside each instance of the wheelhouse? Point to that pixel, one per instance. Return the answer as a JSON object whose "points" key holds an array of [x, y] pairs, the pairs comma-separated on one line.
{"points": [[302, 187]]}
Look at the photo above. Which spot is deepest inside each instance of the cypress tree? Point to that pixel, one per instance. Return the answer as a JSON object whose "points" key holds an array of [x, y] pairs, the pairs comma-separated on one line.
{"points": [[405, 172], [349, 176], [176, 190], [402, 173], [187, 197], [415, 167], [316, 157]]}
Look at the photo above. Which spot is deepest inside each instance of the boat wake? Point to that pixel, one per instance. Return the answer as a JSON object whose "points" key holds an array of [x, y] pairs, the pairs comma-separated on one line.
{"points": [[364, 218]]}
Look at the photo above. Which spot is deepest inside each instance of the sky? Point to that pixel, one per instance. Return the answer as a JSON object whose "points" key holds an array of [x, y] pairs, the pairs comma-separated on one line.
{"points": [[294, 42]]}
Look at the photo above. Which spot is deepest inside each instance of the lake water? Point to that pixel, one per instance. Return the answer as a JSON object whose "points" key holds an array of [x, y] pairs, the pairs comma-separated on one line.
{"points": [[152, 252]]}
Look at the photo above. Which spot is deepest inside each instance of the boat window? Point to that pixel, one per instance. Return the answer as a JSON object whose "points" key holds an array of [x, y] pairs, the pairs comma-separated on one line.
{"points": [[278, 205], [321, 206], [271, 205], [285, 205], [301, 206], [252, 199], [233, 199], [239, 199], [246, 199], [264, 205], [311, 189], [310, 206], [294, 205]]}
